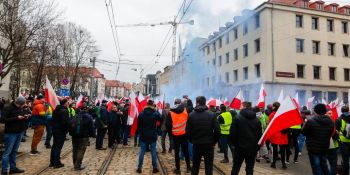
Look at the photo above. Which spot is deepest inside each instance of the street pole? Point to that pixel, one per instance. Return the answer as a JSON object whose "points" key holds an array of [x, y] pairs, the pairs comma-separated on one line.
{"points": [[93, 60]]}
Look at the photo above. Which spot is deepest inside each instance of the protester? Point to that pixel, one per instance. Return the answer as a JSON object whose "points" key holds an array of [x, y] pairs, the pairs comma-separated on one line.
{"points": [[71, 109], [15, 123], [27, 111], [60, 121], [203, 132], [83, 129], [293, 138], [278, 140], [176, 123], [225, 121], [38, 121], [114, 125], [165, 132], [147, 126], [342, 126], [245, 133], [263, 152], [318, 132], [305, 113], [332, 155], [48, 127], [101, 125], [125, 126]]}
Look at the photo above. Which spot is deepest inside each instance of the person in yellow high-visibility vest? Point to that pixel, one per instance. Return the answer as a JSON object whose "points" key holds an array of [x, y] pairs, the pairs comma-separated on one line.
{"points": [[332, 153], [294, 134], [342, 125], [225, 121]]}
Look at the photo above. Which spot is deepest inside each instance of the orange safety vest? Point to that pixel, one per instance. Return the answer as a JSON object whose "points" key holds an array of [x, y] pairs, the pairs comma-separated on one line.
{"points": [[179, 123]]}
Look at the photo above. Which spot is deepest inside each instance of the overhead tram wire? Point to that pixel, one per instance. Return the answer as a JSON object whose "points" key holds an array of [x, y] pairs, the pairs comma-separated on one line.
{"points": [[116, 44], [184, 13], [117, 38]]}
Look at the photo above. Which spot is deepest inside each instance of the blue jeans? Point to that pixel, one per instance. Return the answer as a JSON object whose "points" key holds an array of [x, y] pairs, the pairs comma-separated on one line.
{"points": [[153, 153], [48, 133], [126, 134], [319, 164], [301, 140], [190, 152], [345, 154], [332, 158], [12, 142]]}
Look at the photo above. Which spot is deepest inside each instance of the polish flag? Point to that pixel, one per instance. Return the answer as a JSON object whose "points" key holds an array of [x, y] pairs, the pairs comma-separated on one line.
{"points": [[142, 102], [50, 95], [336, 110], [334, 103], [310, 102], [133, 111], [281, 97], [286, 116], [296, 99], [160, 104], [214, 102], [80, 101], [225, 102], [262, 95], [237, 101]]}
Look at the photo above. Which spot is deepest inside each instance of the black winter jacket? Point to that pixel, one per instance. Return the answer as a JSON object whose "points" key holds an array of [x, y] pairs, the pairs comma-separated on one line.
{"points": [[318, 132], [202, 126], [246, 131], [114, 120], [10, 115], [60, 119], [125, 114], [147, 124], [87, 125]]}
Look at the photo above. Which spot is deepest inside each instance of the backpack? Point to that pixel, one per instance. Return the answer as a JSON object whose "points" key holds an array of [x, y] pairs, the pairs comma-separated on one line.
{"points": [[76, 126]]}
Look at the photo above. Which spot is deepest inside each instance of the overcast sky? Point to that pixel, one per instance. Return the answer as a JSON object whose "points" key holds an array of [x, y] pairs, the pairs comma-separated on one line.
{"points": [[141, 44]]}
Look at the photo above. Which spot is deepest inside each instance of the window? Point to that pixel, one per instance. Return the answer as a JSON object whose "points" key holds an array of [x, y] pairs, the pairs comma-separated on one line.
{"points": [[315, 47], [236, 54], [319, 6], [214, 47], [235, 33], [332, 73], [299, 21], [235, 75], [227, 57], [306, 4], [227, 38], [300, 70], [346, 50], [301, 97], [317, 95], [317, 70], [334, 9], [332, 96], [208, 50], [345, 26], [245, 73], [214, 61], [346, 74], [347, 11], [331, 49], [245, 50], [314, 23], [257, 45], [330, 25], [300, 45], [257, 21], [220, 60], [227, 76], [245, 28], [220, 42], [257, 70], [345, 97]]}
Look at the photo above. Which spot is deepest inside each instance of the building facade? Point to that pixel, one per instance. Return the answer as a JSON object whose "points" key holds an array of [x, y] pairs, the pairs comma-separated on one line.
{"points": [[294, 45]]}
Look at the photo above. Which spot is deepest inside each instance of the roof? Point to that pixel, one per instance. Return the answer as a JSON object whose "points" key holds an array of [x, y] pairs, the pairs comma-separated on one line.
{"points": [[117, 83]]}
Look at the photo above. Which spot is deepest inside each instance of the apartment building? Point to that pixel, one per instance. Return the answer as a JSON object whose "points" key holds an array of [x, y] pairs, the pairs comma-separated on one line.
{"points": [[295, 45]]}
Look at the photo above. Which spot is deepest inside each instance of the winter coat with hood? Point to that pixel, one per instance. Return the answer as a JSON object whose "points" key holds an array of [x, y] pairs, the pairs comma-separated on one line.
{"points": [[318, 132], [115, 119], [10, 115], [60, 119], [38, 113], [246, 131], [169, 122], [279, 138], [202, 126], [147, 124], [345, 117], [165, 115]]}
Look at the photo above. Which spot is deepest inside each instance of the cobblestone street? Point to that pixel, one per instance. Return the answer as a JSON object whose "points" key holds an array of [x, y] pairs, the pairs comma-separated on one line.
{"points": [[125, 159]]}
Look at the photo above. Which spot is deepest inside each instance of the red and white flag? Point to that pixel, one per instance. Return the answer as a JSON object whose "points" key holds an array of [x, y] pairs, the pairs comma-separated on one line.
{"points": [[286, 116], [225, 102], [133, 111], [237, 101], [281, 97], [214, 102], [262, 95], [310, 102], [336, 110], [50, 95]]}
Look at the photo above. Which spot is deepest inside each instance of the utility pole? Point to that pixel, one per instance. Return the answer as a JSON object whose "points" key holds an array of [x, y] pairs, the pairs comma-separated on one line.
{"points": [[173, 53], [93, 60]]}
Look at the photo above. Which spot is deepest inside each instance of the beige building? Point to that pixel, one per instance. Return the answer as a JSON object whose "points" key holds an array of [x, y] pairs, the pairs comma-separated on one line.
{"points": [[294, 45], [115, 88]]}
